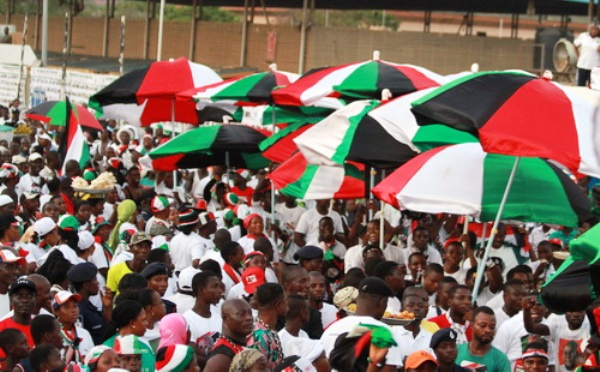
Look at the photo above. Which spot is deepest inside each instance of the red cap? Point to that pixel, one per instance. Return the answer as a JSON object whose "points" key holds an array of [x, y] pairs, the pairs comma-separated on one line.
{"points": [[252, 278]]}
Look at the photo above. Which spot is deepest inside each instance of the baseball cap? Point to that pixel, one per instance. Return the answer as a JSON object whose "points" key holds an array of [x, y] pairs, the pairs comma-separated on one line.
{"points": [[252, 278], [6, 200], [556, 241], [308, 252], [129, 345], [443, 335], [231, 199], [8, 256], [82, 272], [376, 286], [160, 203], [35, 156], [416, 359], [200, 205], [86, 240], [61, 298], [18, 159], [186, 276], [140, 237], [44, 226], [22, 283], [206, 217], [31, 194], [69, 223]]}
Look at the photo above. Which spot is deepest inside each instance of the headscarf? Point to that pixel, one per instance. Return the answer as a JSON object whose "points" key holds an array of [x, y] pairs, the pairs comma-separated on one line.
{"points": [[173, 358], [124, 212], [95, 353], [244, 359], [173, 330], [249, 219]]}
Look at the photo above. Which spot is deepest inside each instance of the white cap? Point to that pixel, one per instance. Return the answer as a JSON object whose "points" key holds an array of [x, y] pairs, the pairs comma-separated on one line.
{"points": [[34, 156], [43, 226], [18, 159], [86, 240], [185, 278], [5, 200]]}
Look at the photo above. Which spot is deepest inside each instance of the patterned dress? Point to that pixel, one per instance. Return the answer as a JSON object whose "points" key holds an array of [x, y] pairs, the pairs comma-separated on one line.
{"points": [[267, 342]]}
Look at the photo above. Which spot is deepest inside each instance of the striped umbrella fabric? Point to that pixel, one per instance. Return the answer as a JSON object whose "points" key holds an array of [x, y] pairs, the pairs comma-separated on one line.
{"points": [[147, 95], [280, 146], [253, 88], [295, 177], [363, 80], [54, 113], [516, 113], [234, 145], [465, 180], [576, 283]]}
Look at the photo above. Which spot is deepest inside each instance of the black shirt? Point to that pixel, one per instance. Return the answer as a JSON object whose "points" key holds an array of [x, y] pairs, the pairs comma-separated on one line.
{"points": [[92, 320]]}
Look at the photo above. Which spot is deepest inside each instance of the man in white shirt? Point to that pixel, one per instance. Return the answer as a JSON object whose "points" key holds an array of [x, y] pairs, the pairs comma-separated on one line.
{"points": [[370, 306], [204, 319], [412, 337], [289, 213], [588, 44], [513, 294], [187, 248], [159, 224], [419, 242], [307, 229], [316, 299], [9, 269]]}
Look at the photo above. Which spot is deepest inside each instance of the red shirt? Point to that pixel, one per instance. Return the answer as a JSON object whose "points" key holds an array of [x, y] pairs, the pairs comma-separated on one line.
{"points": [[26, 329]]}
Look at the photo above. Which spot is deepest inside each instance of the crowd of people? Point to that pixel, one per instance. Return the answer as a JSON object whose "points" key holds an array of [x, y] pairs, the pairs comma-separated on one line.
{"points": [[198, 270]]}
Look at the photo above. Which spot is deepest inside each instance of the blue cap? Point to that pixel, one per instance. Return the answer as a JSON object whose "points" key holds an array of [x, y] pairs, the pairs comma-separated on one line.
{"points": [[308, 252]]}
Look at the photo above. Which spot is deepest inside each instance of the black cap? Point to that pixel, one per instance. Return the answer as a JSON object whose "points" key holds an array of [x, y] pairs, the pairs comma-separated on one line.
{"points": [[375, 286], [7, 219], [82, 272], [308, 252], [21, 283], [155, 268], [443, 335]]}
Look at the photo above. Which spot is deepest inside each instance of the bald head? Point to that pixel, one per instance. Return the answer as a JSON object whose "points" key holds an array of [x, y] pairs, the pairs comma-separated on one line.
{"points": [[222, 237], [38, 279], [231, 306], [316, 275], [237, 319], [42, 287]]}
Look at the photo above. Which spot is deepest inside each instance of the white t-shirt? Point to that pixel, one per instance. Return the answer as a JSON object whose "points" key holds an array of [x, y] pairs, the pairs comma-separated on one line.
{"points": [[4, 305], [393, 305], [289, 218], [501, 317], [200, 326], [186, 248], [407, 344], [507, 255], [432, 254], [460, 275], [346, 324], [213, 254], [98, 257], [237, 291], [353, 258], [301, 345], [308, 224], [184, 302], [328, 314], [561, 335], [589, 57], [509, 338]]}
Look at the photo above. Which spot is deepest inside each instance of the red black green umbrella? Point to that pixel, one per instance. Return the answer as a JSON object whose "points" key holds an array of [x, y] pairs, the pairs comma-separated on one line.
{"points": [[576, 283], [363, 80], [147, 95], [233, 145], [516, 113], [295, 177], [280, 146], [55, 113], [253, 88]]}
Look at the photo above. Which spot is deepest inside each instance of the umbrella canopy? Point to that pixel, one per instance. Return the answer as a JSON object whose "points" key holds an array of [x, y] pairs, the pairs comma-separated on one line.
{"points": [[55, 113], [147, 95], [280, 146], [516, 113], [253, 88], [295, 177], [576, 283], [233, 145], [363, 80], [346, 136], [465, 180]]}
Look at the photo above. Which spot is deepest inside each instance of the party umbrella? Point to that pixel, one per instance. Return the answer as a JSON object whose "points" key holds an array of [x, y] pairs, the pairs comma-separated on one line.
{"points": [[516, 113], [147, 95], [295, 177], [232, 145], [280, 146], [362, 80], [253, 88], [55, 113], [576, 283], [464, 180]]}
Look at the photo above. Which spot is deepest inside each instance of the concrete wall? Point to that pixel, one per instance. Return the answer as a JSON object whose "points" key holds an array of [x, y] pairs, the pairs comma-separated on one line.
{"points": [[218, 44]]}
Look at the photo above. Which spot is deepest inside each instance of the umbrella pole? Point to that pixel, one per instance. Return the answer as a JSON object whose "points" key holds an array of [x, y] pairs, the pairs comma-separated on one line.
{"points": [[372, 173], [382, 219], [493, 232], [465, 228], [173, 130]]}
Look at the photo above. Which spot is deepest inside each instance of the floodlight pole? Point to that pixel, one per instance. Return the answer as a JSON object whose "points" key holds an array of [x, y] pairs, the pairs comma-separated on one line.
{"points": [[160, 30]]}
